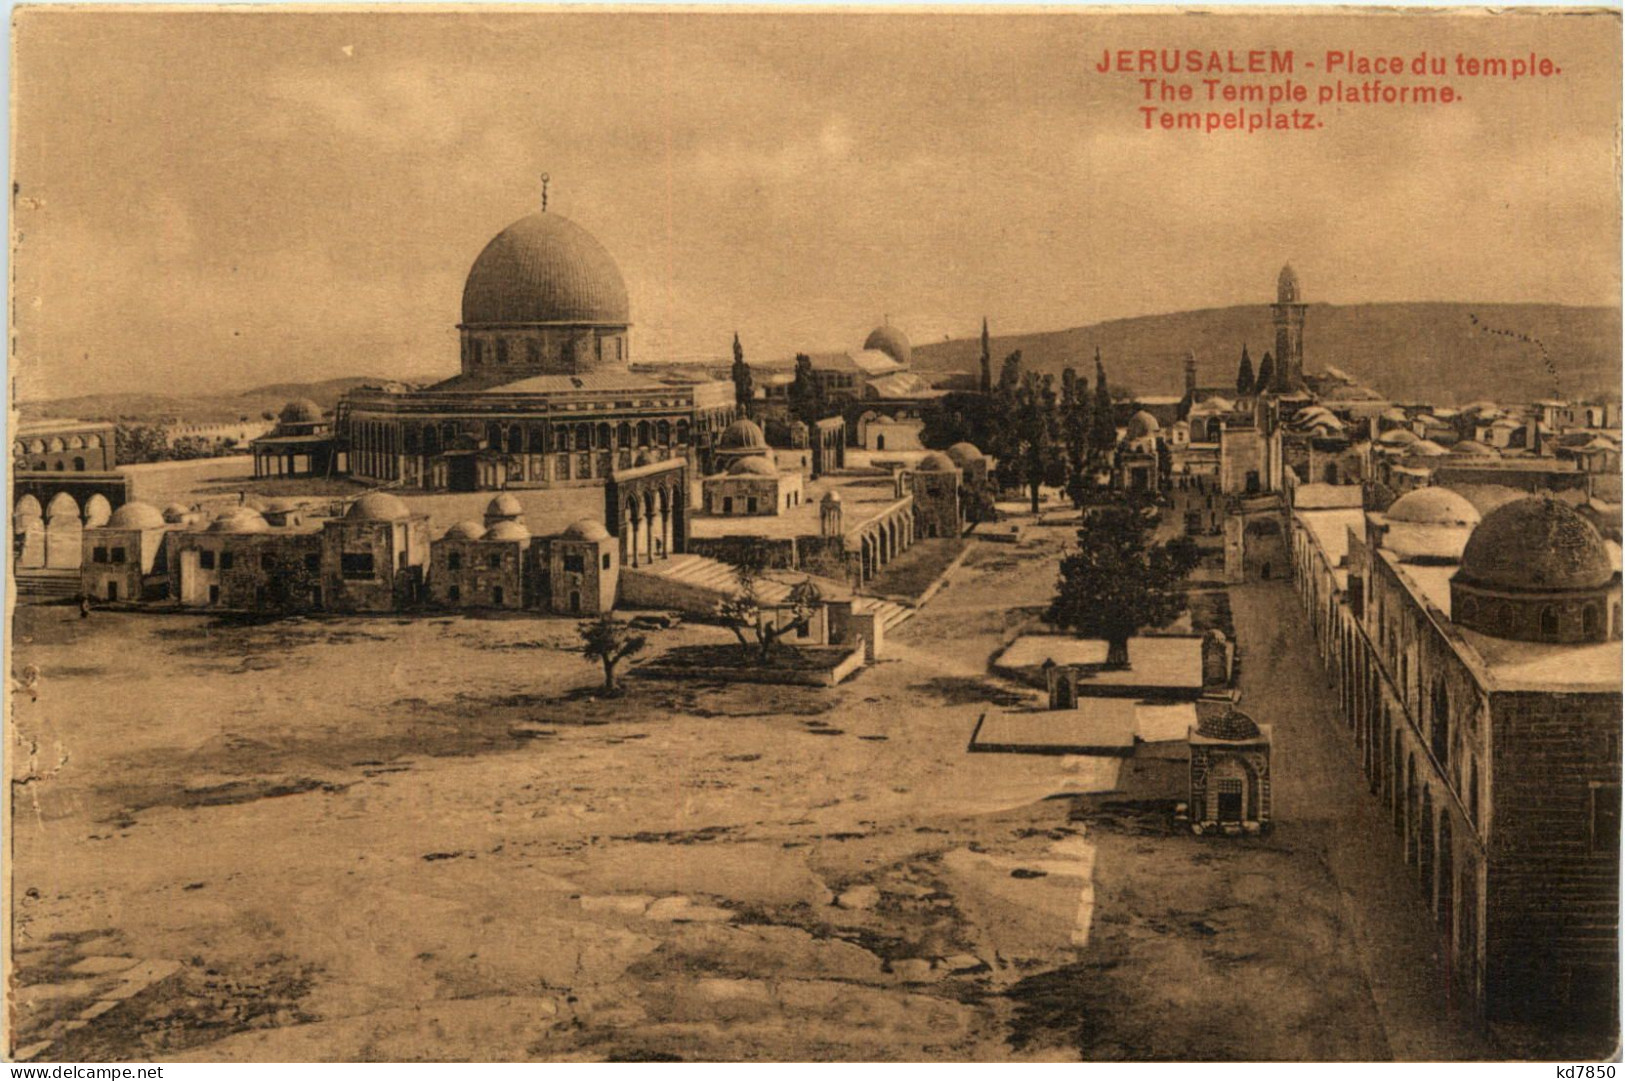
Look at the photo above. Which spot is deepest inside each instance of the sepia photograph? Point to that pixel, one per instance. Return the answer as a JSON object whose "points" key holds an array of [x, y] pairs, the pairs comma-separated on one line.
{"points": [[979, 534]]}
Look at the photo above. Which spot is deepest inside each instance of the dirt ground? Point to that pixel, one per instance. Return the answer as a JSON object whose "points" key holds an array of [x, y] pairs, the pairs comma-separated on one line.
{"points": [[385, 839]]}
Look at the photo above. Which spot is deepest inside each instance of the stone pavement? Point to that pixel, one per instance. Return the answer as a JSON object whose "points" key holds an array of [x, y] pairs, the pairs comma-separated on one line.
{"points": [[1322, 800]]}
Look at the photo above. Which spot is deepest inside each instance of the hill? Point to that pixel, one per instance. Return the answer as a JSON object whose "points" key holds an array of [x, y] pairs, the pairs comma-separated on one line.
{"points": [[1411, 351], [203, 408]]}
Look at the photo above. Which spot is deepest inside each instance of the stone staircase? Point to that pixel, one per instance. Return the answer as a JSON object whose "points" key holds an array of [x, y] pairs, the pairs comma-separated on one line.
{"points": [[45, 586], [694, 584]]}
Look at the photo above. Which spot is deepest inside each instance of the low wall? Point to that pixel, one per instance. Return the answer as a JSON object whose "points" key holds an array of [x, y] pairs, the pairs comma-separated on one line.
{"points": [[778, 552]]}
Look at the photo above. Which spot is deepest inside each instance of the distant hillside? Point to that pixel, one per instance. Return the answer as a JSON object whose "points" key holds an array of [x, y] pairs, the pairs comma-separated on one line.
{"points": [[1425, 352], [149, 408]]}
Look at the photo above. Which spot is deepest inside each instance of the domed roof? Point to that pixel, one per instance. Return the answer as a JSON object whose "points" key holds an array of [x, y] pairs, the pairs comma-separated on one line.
{"points": [[1433, 506], [832, 496], [1230, 724], [1427, 448], [136, 515], [240, 520], [742, 434], [507, 531], [1536, 543], [176, 512], [961, 453], [1474, 447], [758, 466], [1142, 424], [936, 462], [469, 530], [891, 341], [545, 269], [505, 506], [1399, 437], [1287, 290], [586, 529], [300, 411], [378, 507]]}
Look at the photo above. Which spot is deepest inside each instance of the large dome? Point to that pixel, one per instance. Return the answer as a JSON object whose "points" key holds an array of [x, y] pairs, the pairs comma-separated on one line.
{"points": [[378, 507], [545, 269], [742, 434], [136, 515], [1537, 543], [1142, 424], [891, 341]]}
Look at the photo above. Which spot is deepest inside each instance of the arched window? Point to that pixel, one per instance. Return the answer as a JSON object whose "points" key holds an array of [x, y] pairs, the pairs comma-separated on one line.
{"points": [[561, 439], [79, 467], [663, 433], [1591, 622], [516, 439], [643, 433], [603, 435], [583, 436], [1548, 623], [683, 432], [623, 435]]}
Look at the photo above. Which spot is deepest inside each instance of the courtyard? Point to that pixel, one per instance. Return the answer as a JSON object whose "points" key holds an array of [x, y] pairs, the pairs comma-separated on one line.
{"points": [[391, 838]]}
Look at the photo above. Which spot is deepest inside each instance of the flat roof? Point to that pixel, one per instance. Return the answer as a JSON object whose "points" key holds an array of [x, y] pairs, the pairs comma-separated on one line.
{"points": [[1330, 530], [861, 499], [1171, 661]]}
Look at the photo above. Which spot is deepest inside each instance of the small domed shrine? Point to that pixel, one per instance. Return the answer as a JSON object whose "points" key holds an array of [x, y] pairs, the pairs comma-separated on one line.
{"points": [[1229, 770]]}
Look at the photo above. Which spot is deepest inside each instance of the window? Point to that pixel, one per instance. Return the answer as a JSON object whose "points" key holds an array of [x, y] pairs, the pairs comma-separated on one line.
{"points": [[118, 555], [205, 560], [1548, 623], [494, 561], [727, 505], [227, 561], [574, 563], [454, 561], [454, 593], [98, 555], [606, 561], [502, 351], [496, 595], [750, 505], [356, 565], [1605, 818]]}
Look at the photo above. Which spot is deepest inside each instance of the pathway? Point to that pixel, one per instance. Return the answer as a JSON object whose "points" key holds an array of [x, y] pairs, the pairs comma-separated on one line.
{"points": [[1322, 799]]}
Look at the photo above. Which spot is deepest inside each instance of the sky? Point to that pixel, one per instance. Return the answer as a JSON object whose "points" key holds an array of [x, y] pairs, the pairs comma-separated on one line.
{"points": [[209, 201]]}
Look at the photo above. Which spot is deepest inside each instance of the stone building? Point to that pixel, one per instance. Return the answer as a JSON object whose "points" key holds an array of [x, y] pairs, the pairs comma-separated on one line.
{"points": [[546, 396], [241, 562], [301, 445], [1485, 707], [477, 566], [64, 446], [751, 487], [934, 485], [123, 559]]}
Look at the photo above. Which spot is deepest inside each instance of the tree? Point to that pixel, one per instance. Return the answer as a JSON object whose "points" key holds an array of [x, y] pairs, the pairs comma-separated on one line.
{"points": [[1117, 581], [1266, 374], [807, 400], [1245, 381], [1103, 425], [987, 360], [1074, 424], [609, 641], [742, 612], [141, 443], [744, 386], [1035, 456]]}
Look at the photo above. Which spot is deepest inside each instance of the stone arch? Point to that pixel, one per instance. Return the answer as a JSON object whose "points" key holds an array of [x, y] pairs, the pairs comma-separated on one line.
{"points": [[56, 445], [27, 507], [97, 511], [1439, 734], [61, 508], [1229, 766]]}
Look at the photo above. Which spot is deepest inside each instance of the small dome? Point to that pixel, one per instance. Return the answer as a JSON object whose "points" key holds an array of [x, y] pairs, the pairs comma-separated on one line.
{"points": [[964, 453], [507, 531], [742, 434], [1287, 290], [136, 515], [505, 506], [1232, 724], [891, 341], [936, 462], [176, 512], [379, 507], [1397, 416], [831, 496], [240, 520], [300, 411], [1433, 506], [1142, 424], [1398, 437], [469, 530], [1536, 543], [586, 529], [1427, 448], [1475, 448], [760, 467], [544, 268]]}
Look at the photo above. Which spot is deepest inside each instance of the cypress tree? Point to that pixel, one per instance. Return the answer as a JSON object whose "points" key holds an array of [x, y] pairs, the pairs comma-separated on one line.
{"points": [[1244, 376], [1266, 375], [987, 360]]}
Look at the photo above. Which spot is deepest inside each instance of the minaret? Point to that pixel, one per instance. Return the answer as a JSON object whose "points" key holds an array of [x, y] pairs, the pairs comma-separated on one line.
{"points": [[1190, 375], [1289, 311]]}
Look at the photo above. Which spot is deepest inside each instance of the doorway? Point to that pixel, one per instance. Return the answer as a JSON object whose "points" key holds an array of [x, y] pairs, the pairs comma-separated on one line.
{"points": [[1231, 803]]}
